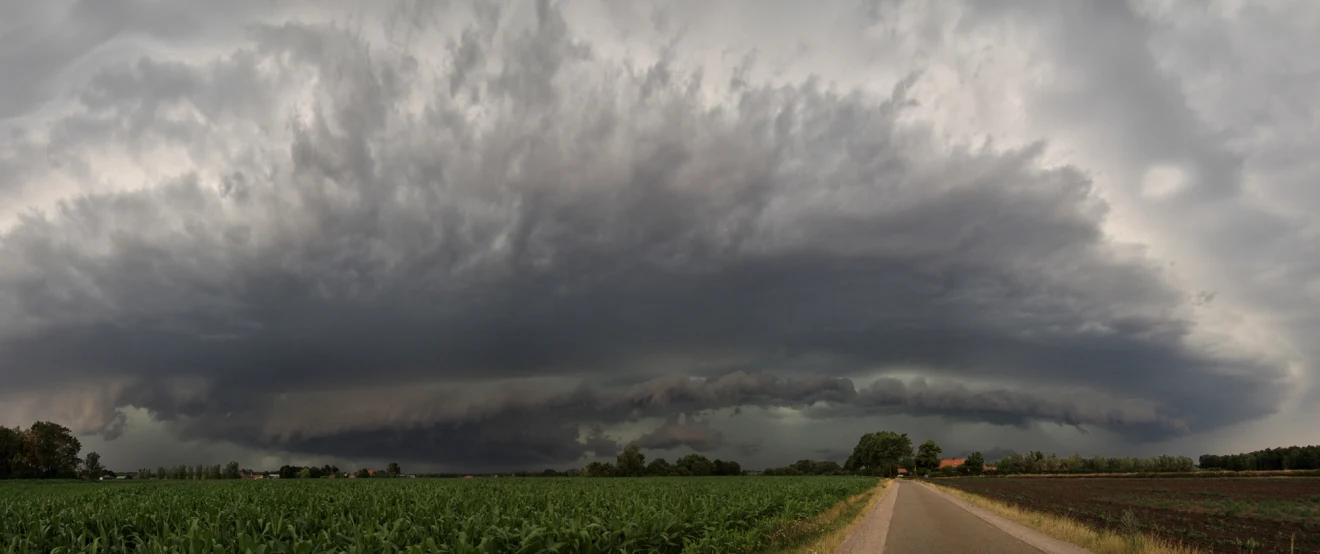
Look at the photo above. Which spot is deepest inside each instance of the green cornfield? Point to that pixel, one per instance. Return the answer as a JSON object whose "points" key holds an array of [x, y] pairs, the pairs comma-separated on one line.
{"points": [[700, 514]]}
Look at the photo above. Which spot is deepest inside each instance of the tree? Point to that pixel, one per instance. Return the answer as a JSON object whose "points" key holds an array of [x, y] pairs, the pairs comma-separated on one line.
{"points": [[49, 450], [660, 467], [722, 467], [928, 456], [92, 467], [975, 463], [631, 462], [696, 465], [231, 471], [363, 473], [880, 453], [11, 446], [393, 469], [305, 473], [827, 467], [598, 469], [804, 467]]}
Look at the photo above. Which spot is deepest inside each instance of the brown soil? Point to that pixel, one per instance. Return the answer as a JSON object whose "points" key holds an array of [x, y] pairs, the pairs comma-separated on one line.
{"points": [[1216, 515]]}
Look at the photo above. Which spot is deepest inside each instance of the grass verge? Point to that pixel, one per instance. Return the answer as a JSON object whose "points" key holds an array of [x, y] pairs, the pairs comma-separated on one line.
{"points": [[1075, 532], [824, 533]]}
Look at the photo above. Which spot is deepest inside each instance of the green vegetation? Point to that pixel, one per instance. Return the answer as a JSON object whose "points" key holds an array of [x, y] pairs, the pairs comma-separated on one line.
{"points": [[928, 457], [880, 453], [806, 467], [713, 514], [43, 451], [1037, 462], [1292, 457]]}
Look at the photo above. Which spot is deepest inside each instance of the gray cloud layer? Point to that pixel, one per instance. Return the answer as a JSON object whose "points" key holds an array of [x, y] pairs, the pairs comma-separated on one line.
{"points": [[377, 251]]}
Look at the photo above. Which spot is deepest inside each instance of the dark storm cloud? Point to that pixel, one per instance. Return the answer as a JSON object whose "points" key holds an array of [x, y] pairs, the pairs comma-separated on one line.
{"points": [[693, 435], [390, 280]]}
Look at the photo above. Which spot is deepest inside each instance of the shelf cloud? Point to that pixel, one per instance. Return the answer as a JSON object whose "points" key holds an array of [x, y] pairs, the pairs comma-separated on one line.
{"points": [[470, 234]]}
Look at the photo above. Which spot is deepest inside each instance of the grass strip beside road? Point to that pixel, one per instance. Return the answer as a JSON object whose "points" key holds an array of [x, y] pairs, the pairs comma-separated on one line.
{"points": [[1075, 532], [824, 533]]}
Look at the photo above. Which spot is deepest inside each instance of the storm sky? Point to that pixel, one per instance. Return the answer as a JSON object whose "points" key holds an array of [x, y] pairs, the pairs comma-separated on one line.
{"points": [[501, 235]]}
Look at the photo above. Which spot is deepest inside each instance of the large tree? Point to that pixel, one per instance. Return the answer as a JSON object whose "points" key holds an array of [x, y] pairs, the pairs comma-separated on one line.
{"points": [[928, 456], [393, 469], [48, 450], [880, 453], [631, 462]]}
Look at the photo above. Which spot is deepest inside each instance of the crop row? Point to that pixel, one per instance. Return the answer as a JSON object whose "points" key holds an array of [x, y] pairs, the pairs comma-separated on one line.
{"points": [[423, 515]]}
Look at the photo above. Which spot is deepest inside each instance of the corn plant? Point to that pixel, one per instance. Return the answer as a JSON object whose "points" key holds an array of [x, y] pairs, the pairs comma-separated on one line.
{"points": [[523, 515]]}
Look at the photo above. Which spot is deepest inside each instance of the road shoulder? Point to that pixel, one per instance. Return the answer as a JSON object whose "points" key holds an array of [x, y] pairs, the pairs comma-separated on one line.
{"points": [[872, 528]]}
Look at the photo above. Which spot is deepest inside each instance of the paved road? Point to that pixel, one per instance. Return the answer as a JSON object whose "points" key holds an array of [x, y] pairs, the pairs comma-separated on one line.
{"points": [[924, 521]]}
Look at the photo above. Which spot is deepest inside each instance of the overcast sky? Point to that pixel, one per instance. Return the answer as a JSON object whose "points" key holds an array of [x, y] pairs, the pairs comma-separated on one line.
{"points": [[497, 235]]}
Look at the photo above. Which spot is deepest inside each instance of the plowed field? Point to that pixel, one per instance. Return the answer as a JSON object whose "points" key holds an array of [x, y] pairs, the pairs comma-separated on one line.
{"points": [[1216, 515]]}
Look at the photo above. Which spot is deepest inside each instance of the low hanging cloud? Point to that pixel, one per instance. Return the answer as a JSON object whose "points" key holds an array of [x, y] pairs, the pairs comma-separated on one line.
{"points": [[485, 245], [693, 435]]}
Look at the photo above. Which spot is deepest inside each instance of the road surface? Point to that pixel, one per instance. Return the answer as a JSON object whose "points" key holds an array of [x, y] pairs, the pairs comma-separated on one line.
{"points": [[915, 519]]}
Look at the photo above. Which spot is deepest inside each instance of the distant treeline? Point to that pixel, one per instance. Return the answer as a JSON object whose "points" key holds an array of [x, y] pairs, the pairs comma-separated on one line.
{"points": [[1270, 459], [233, 471], [1037, 462], [807, 467], [632, 463]]}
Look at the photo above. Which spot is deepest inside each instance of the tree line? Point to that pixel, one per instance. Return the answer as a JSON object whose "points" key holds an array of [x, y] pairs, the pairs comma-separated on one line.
{"points": [[1037, 462], [876, 454], [632, 463], [1291, 457], [233, 471], [807, 467]]}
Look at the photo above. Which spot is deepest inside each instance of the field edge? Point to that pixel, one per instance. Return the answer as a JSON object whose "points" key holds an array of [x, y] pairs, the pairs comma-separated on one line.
{"points": [[1072, 531], [835, 524]]}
